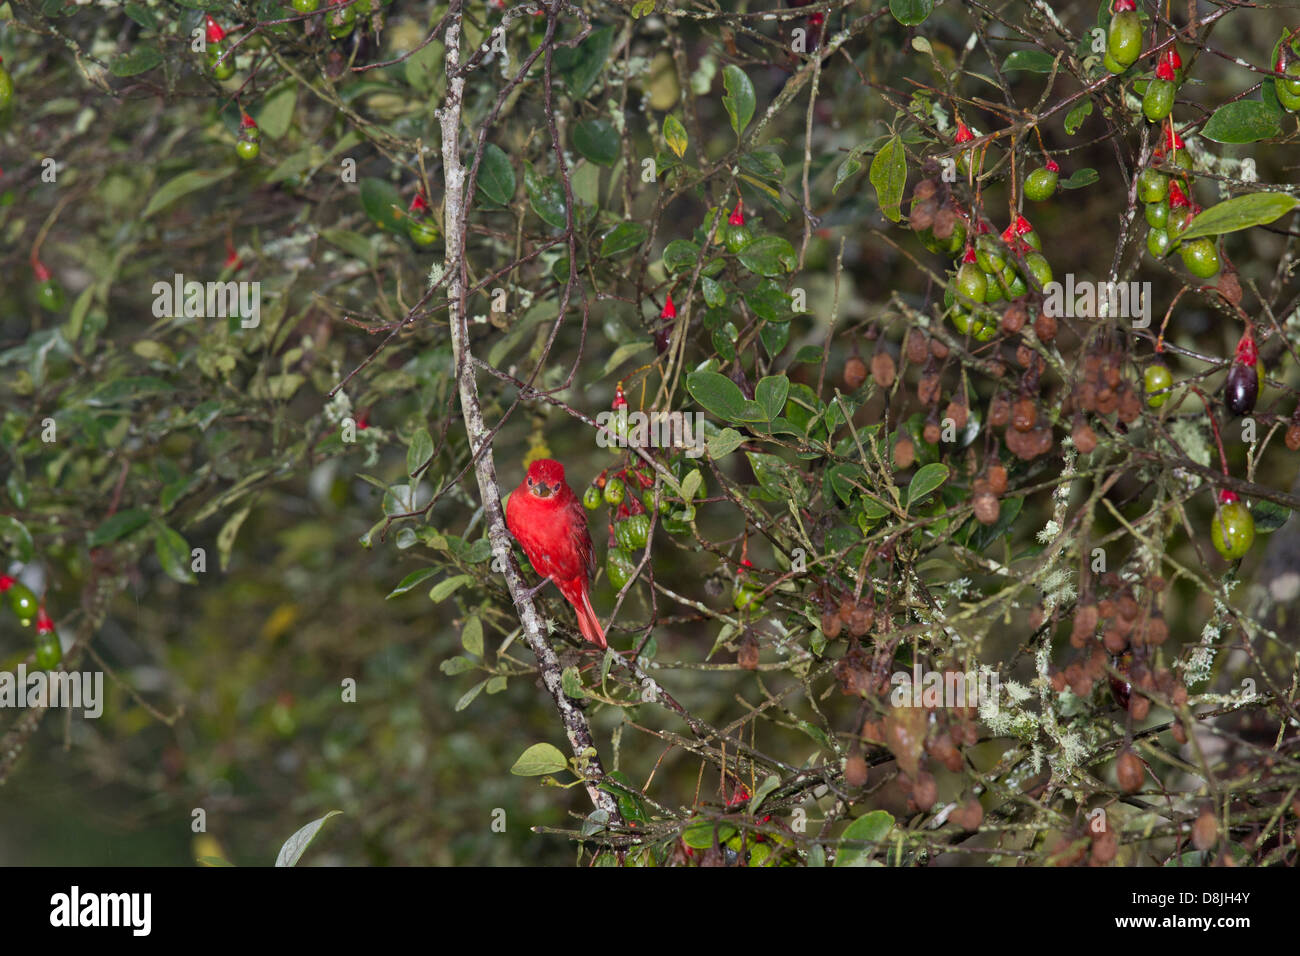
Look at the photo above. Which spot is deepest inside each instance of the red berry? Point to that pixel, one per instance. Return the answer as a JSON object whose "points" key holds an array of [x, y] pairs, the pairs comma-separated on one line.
{"points": [[1247, 353], [1165, 72], [1119, 6], [1052, 166], [1227, 497], [1171, 57], [620, 400], [6, 582], [1177, 198], [969, 256], [418, 204], [215, 33], [39, 271], [670, 311], [737, 217], [964, 135], [43, 623]]}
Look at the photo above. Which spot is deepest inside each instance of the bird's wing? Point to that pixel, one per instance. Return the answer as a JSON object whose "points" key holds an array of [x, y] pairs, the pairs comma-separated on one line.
{"points": [[582, 537]]}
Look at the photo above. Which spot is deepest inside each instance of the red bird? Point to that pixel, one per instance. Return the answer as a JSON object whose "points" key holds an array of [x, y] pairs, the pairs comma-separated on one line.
{"points": [[548, 521]]}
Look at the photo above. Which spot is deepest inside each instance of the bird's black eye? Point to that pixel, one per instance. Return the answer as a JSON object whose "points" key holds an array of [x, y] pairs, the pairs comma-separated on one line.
{"points": [[530, 482]]}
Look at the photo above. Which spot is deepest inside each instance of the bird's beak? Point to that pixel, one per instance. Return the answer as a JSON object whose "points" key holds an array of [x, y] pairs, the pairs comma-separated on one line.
{"points": [[542, 490]]}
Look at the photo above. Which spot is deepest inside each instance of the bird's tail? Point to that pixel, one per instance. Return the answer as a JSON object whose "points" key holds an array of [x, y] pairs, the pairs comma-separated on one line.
{"points": [[588, 623]]}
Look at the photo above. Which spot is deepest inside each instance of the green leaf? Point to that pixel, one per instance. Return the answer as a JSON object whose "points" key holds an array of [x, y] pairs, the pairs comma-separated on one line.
{"points": [[851, 166], [911, 13], [1241, 212], [699, 833], [769, 301], [724, 443], [768, 256], [229, 531], [383, 204], [277, 111], [869, 828], [539, 759], [173, 554], [1080, 178], [624, 237], [182, 185], [777, 478], [642, 8], [723, 397], [771, 392], [675, 134], [496, 177], [739, 99], [889, 176], [456, 665], [546, 196], [581, 65], [925, 481], [409, 582], [142, 15], [471, 636], [571, 683], [17, 539], [1269, 516], [1245, 121], [141, 59], [597, 140], [467, 698], [353, 243], [119, 525], [445, 589], [1074, 119], [1030, 60], [419, 451], [296, 845], [680, 254], [761, 793]]}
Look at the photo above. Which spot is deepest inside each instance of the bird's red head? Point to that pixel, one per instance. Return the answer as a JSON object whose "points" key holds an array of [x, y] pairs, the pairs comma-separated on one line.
{"points": [[545, 478]]}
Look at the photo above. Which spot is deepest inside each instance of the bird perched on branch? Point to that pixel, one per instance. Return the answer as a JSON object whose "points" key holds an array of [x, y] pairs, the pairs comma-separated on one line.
{"points": [[548, 521]]}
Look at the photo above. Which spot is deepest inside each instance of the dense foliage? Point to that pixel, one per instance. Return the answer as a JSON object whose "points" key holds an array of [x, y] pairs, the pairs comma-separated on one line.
{"points": [[978, 321]]}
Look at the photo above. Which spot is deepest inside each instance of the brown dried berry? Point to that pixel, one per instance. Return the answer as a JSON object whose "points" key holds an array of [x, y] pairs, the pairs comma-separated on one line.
{"points": [[1025, 355], [1179, 733], [831, 624], [855, 373], [958, 411], [1130, 405], [1024, 415], [927, 390], [997, 479], [1014, 318], [1107, 400], [883, 370], [969, 815], [917, 347], [904, 453], [1105, 847], [855, 770], [924, 190], [999, 409], [747, 656], [923, 215], [986, 507], [1205, 831], [938, 349], [932, 433], [860, 621], [945, 221], [1045, 327], [1115, 641], [925, 790], [1139, 707], [1293, 438], [1229, 286], [1129, 772]]}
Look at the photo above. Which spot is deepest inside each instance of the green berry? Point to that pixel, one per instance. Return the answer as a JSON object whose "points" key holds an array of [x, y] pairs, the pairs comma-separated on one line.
{"points": [[6, 87], [1233, 530], [989, 255], [1153, 186], [992, 289], [1039, 268], [306, 6], [1124, 41], [222, 69], [1200, 257], [1157, 214], [247, 149], [49, 295], [972, 285], [1292, 86], [957, 241], [620, 567], [1111, 64], [1158, 100], [48, 651], [746, 596], [1157, 379], [591, 498], [632, 533], [422, 231], [23, 603], [1158, 242], [614, 491], [1041, 183], [1290, 101]]}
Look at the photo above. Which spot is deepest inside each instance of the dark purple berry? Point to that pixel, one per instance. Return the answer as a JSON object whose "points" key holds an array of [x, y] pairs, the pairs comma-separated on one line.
{"points": [[1242, 389]]}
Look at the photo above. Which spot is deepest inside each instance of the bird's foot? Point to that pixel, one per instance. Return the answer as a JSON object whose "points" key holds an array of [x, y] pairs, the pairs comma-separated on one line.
{"points": [[534, 591]]}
